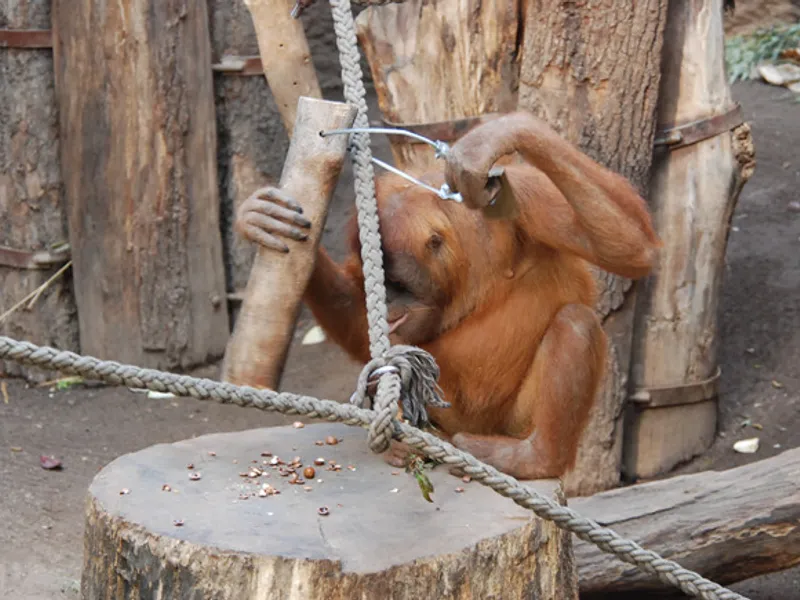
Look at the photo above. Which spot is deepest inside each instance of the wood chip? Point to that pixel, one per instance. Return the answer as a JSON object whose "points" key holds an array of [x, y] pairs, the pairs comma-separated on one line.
{"points": [[748, 446]]}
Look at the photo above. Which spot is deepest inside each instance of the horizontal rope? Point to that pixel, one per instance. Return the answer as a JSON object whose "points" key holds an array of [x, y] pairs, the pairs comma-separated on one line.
{"points": [[431, 446]]}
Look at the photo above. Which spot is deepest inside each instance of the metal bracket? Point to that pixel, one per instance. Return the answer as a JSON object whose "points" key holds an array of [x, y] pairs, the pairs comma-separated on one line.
{"points": [[26, 38], [445, 131], [675, 395], [675, 136], [34, 259], [244, 66]]}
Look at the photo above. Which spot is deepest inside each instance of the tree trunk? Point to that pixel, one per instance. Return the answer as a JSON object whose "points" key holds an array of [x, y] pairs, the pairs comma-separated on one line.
{"points": [[258, 348], [32, 213], [592, 71], [728, 526], [379, 539], [439, 61], [252, 141], [138, 134], [694, 190]]}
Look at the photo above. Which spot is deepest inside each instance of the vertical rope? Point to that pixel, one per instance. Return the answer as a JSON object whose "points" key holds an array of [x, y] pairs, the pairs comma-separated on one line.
{"points": [[368, 226]]}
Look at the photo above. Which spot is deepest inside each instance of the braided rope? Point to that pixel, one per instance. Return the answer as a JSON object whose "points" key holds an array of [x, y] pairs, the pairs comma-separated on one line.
{"points": [[564, 517]]}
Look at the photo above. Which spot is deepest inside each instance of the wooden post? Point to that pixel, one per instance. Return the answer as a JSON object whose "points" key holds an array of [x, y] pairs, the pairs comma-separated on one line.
{"points": [[260, 342], [285, 56], [138, 153], [726, 525], [32, 212], [424, 58], [592, 71], [359, 531], [693, 193], [252, 141]]}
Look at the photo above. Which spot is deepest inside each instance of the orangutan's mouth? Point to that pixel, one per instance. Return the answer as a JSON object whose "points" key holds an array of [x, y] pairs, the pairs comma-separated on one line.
{"points": [[393, 325]]}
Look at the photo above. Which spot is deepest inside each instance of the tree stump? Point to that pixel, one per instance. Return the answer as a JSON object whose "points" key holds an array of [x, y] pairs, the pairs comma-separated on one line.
{"points": [[220, 537], [697, 176]]}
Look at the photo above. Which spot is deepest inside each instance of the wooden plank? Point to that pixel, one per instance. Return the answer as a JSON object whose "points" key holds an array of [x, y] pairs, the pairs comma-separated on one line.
{"points": [[436, 61], [252, 141], [592, 71], [260, 342], [726, 525], [32, 212], [285, 55], [693, 193], [379, 538], [138, 134]]}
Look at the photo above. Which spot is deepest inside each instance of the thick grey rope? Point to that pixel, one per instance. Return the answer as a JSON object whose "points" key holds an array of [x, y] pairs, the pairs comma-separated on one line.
{"points": [[386, 399], [564, 517]]}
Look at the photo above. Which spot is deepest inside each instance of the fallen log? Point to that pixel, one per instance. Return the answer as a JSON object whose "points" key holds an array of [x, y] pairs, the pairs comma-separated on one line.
{"points": [[259, 345], [360, 530], [726, 525]]}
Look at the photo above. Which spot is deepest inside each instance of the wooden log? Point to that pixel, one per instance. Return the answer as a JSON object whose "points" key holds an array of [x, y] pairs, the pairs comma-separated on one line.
{"points": [[259, 345], [726, 525], [693, 193], [32, 213], [252, 141], [439, 61], [380, 538], [592, 71], [138, 150], [285, 56]]}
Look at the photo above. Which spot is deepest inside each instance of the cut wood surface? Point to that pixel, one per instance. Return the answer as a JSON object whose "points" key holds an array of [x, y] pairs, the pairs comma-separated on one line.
{"points": [[285, 56], [138, 150], [32, 211], [592, 71], [726, 525], [693, 193], [252, 141], [259, 345], [435, 61], [380, 538]]}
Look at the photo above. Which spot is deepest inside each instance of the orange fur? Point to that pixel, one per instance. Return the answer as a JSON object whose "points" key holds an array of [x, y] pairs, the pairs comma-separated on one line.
{"points": [[511, 323]]}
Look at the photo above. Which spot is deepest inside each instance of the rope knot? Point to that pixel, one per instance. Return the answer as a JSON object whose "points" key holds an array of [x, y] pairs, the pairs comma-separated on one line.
{"points": [[411, 386]]}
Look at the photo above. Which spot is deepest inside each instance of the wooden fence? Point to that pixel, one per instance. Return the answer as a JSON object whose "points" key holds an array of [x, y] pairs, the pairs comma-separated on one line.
{"points": [[128, 137]]}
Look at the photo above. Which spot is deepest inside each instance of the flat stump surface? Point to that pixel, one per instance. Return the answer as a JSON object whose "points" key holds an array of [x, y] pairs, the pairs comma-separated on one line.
{"points": [[199, 519]]}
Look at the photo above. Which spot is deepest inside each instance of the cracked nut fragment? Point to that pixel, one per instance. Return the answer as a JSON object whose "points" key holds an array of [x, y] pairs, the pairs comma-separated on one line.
{"points": [[323, 510], [195, 475]]}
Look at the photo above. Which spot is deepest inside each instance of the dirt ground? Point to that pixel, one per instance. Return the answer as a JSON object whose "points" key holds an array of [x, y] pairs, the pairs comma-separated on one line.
{"points": [[87, 427]]}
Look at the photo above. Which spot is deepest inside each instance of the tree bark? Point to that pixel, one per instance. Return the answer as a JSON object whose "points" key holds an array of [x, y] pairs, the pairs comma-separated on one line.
{"points": [[252, 141], [693, 194], [138, 134], [32, 213], [285, 56], [258, 348], [592, 71], [728, 526], [438, 61], [380, 538]]}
